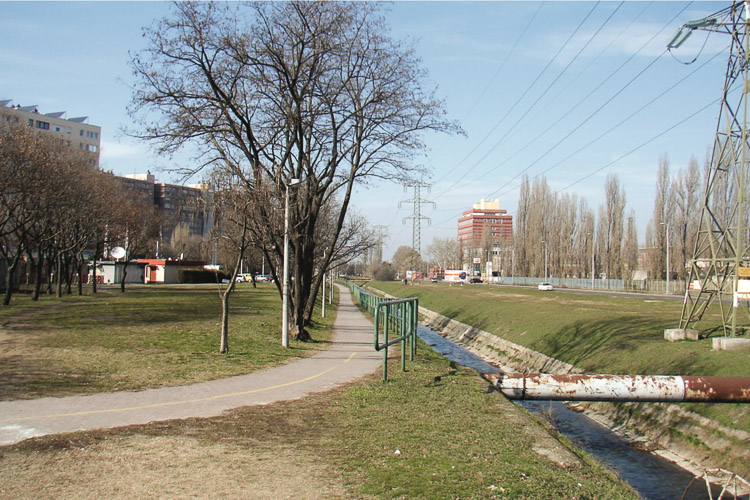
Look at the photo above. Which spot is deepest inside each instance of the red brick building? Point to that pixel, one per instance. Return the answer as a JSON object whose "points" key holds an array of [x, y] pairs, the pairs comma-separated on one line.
{"points": [[483, 217]]}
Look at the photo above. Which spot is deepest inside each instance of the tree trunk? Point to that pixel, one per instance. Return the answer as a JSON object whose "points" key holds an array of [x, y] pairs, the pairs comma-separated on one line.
{"points": [[8, 286], [93, 269], [10, 269], [69, 272], [124, 275], [49, 265], [59, 275], [81, 268], [224, 346], [37, 269]]}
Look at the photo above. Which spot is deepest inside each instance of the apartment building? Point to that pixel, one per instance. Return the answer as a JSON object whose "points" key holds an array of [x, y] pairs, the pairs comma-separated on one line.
{"points": [[76, 132], [178, 205]]}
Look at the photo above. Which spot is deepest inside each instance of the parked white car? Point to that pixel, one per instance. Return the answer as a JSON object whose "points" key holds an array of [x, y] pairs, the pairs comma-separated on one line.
{"points": [[546, 287]]}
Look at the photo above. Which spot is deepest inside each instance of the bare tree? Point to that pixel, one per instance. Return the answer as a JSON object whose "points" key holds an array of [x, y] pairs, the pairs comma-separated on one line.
{"points": [[183, 244], [44, 199], [584, 239], [540, 237], [611, 229], [296, 90], [403, 259], [135, 228], [442, 252], [566, 222], [687, 198], [630, 247], [233, 213], [661, 218], [521, 237]]}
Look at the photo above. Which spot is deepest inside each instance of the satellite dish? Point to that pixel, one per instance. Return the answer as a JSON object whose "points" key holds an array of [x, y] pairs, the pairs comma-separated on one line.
{"points": [[117, 252]]}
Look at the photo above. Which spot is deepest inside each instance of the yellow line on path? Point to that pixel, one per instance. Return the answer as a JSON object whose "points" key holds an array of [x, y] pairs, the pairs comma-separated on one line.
{"points": [[172, 403]]}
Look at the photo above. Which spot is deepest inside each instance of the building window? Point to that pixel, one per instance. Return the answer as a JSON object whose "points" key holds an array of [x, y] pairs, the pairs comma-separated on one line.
{"points": [[42, 125], [92, 148], [80, 132], [31, 122]]}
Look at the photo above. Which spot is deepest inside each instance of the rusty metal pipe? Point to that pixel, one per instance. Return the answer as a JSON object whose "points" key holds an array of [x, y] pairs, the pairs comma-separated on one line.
{"points": [[624, 388]]}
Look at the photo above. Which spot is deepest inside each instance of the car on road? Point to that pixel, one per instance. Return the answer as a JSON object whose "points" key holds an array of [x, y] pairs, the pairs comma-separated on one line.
{"points": [[545, 287]]}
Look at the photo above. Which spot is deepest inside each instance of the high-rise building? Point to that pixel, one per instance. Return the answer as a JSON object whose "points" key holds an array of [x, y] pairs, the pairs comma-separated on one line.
{"points": [[74, 131], [485, 224], [483, 233]]}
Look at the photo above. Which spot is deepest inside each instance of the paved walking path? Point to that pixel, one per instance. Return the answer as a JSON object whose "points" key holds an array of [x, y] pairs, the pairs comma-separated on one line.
{"points": [[351, 356]]}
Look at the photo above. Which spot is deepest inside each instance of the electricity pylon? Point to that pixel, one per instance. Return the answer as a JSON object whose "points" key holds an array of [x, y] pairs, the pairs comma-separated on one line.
{"points": [[720, 267], [416, 217], [381, 232]]}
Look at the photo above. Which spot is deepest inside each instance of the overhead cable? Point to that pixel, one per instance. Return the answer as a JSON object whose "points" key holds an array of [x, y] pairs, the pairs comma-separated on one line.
{"points": [[528, 89]]}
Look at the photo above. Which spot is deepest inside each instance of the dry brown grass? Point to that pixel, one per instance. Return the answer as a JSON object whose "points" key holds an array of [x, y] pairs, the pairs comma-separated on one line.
{"points": [[258, 452], [139, 466]]}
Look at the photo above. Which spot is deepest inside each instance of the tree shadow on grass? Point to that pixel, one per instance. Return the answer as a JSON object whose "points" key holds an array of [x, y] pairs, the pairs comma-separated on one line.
{"points": [[25, 378], [460, 314], [579, 342]]}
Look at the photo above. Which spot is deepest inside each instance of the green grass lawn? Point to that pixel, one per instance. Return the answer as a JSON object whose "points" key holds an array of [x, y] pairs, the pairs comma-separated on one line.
{"points": [[148, 337], [455, 440], [599, 333]]}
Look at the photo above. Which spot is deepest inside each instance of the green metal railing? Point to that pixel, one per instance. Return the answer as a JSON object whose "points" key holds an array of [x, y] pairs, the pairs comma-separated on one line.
{"points": [[391, 317], [400, 316]]}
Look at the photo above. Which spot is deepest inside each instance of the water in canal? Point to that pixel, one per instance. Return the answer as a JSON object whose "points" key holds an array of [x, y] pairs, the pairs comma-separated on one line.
{"points": [[653, 477]]}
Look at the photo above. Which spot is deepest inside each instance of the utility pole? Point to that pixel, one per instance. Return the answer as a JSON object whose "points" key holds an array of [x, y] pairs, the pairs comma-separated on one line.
{"points": [[381, 232], [720, 267], [416, 218]]}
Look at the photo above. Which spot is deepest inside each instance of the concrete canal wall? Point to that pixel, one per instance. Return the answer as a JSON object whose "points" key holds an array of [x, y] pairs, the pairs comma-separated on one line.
{"points": [[693, 441]]}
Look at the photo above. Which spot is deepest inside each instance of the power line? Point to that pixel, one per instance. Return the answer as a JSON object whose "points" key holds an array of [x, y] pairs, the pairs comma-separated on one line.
{"points": [[587, 97], [581, 101], [489, 83], [625, 155], [608, 131], [517, 101]]}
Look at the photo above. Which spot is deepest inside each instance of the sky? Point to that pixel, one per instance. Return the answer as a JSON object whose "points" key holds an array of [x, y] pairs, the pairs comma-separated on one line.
{"points": [[573, 91]]}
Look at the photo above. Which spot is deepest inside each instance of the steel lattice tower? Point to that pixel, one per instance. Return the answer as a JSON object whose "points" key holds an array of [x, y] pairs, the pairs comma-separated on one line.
{"points": [[720, 267], [416, 218], [381, 232]]}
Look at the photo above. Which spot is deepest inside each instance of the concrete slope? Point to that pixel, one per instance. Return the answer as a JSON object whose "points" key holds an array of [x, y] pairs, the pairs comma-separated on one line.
{"points": [[351, 356]]}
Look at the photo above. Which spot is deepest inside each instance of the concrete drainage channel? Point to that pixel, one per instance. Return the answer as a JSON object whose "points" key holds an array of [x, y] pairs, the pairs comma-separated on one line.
{"points": [[652, 475]]}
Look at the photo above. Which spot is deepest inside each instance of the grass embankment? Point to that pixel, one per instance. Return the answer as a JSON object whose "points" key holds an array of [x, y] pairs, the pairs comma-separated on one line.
{"points": [[148, 337], [456, 441], [599, 333]]}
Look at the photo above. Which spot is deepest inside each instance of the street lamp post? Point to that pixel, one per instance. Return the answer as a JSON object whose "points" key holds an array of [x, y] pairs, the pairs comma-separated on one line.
{"points": [[285, 286], [593, 271], [545, 260], [666, 224]]}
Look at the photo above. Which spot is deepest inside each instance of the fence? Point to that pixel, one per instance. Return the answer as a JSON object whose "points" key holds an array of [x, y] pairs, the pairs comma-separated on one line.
{"points": [[676, 287], [398, 317]]}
